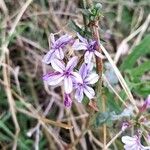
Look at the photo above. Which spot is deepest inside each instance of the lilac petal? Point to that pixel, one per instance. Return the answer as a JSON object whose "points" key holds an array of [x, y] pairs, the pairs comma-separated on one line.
{"points": [[58, 65], [64, 39], [128, 140], [92, 78], [72, 63], [147, 102], [85, 69], [79, 46], [82, 39], [98, 54], [59, 53], [90, 67], [131, 147], [68, 100], [88, 57], [53, 78], [52, 38], [68, 85], [48, 57], [79, 94], [89, 92], [77, 77]]}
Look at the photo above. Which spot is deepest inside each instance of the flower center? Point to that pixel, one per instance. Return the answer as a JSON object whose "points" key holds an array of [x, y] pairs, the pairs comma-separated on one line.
{"points": [[92, 46], [67, 73]]}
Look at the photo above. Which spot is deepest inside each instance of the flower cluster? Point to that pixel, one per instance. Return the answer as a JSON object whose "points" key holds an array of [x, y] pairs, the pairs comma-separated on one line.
{"points": [[133, 143], [78, 81]]}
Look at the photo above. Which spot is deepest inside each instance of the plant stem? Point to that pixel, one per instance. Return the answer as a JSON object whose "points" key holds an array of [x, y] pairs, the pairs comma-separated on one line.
{"points": [[99, 67]]}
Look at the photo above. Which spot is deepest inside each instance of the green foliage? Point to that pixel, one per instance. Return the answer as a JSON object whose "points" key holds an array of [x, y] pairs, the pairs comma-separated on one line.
{"points": [[76, 28], [142, 49], [140, 70], [134, 75], [102, 118]]}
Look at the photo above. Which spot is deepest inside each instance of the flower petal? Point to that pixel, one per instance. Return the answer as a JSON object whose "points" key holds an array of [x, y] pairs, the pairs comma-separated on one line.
{"points": [[63, 40], [68, 85], [89, 92], [59, 53], [48, 57], [72, 63], [128, 140], [58, 65], [85, 69], [88, 56], [82, 39], [76, 77], [53, 78], [79, 46], [92, 78], [98, 54], [79, 94]]}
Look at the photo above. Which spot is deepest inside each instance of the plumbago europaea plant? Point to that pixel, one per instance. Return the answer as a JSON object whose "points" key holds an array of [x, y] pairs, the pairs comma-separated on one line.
{"points": [[81, 80]]}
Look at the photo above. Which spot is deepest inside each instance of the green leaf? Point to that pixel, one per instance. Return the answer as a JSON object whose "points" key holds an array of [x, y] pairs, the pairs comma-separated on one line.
{"points": [[102, 118], [81, 31], [140, 70], [142, 49], [6, 129], [75, 27], [4, 137], [142, 89]]}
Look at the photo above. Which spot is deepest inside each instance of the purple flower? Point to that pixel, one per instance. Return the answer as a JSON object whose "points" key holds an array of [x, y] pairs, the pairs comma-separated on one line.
{"points": [[133, 143], [88, 78], [88, 47], [57, 46], [146, 104], [63, 73], [68, 100]]}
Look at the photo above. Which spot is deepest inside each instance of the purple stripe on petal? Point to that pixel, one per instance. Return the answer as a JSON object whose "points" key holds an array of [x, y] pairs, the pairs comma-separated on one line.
{"points": [[53, 78], [82, 39], [48, 57], [92, 78], [63, 40], [76, 77], [83, 70], [59, 53], [58, 65], [72, 63], [79, 46], [89, 92], [79, 94]]}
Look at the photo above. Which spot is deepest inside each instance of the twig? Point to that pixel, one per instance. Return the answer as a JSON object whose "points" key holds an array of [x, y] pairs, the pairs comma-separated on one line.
{"points": [[105, 79], [113, 139], [11, 101]]}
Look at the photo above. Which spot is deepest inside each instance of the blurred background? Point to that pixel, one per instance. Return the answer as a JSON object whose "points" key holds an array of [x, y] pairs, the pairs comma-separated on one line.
{"points": [[25, 27]]}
